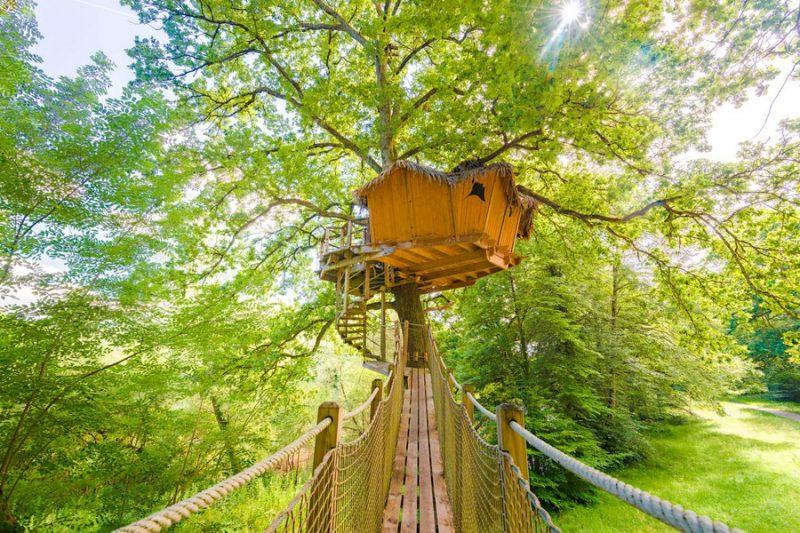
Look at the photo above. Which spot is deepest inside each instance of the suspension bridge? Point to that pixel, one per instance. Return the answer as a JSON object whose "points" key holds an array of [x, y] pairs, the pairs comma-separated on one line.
{"points": [[410, 458]]}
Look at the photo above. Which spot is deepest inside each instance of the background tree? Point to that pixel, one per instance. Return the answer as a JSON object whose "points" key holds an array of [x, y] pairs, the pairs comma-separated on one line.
{"points": [[131, 348]]}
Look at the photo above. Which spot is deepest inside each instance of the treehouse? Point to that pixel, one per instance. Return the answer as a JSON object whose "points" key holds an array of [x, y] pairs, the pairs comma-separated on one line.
{"points": [[444, 231], [433, 229]]}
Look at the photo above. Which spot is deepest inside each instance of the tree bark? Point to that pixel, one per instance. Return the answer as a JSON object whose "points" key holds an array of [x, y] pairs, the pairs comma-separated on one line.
{"points": [[9, 522], [612, 375], [222, 423], [408, 305], [518, 321]]}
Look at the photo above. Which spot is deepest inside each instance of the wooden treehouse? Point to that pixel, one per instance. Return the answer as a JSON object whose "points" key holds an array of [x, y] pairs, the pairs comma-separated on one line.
{"points": [[434, 229]]}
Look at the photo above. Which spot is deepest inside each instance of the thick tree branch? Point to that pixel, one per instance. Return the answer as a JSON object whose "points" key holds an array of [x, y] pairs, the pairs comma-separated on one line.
{"points": [[350, 30], [513, 143], [419, 102], [595, 217], [412, 53]]}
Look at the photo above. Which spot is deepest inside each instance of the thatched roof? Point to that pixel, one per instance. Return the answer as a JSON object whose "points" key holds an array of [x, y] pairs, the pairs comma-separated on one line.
{"points": [[505, 171]]}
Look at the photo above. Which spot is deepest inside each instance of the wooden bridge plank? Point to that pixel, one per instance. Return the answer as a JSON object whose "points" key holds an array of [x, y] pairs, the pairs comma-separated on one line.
{"points": [[418, 487], [427, 512], [391, 515], [444, 513], [409, 522]]}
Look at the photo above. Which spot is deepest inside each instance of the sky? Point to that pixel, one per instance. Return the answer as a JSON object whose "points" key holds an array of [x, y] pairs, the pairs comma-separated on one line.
{"points": [[73, 30]]}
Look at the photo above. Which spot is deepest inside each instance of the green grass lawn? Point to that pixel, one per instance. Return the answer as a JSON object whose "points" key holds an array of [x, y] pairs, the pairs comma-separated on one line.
{"points": [[742, 469]]}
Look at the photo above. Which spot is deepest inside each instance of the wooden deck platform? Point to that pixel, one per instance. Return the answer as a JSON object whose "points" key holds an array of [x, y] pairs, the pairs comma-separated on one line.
{"points": [[418, 498]]}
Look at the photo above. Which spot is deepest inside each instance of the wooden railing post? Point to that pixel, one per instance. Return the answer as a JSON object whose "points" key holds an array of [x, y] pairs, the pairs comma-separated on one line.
{"points": [[329, 437], [405, 342], [323, 244], [465, 391], [367, 294], [383, 323], [346, 291], [451, 381], [508, 439], [322, 499], [376, 401]]}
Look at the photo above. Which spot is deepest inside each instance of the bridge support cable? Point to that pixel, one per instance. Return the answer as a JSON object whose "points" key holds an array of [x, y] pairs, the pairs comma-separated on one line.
{"points": [[487, 491], [349, 486], [663, 510]]}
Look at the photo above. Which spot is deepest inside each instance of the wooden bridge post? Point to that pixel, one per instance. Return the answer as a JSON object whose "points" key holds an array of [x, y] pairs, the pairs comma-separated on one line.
{"points": [[376, 401], [322, 499], [465, 391], [329, 437], [383, 323], [405, 343], [508, 439], [451, 381]]}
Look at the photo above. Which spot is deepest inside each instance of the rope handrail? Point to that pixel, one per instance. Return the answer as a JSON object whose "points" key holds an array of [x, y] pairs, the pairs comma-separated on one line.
{"points": [[173, 514], [663, 510], [669, 513], [358, 410], [484, 411], [349, 485]]}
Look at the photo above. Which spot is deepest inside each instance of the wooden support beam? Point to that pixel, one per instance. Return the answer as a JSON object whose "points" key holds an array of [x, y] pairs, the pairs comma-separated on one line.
{"points": [[466, 267], [447, 286], [508, 439], [449, 261], [468, 407], [376, 401]]}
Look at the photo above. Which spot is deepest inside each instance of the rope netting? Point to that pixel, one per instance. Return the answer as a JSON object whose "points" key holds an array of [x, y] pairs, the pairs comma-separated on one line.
{"points": [[173, 514], [486, 490], [348, 489]]}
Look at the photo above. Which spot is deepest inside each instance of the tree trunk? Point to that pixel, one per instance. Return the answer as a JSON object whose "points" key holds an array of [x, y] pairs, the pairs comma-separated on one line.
{"points": [[518, 321], [222, 423], [9, 522], [408, 304], [615, 288]]}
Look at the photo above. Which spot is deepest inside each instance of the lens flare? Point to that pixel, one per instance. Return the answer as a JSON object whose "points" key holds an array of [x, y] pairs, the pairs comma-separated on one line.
{"points": [[571, 11]]}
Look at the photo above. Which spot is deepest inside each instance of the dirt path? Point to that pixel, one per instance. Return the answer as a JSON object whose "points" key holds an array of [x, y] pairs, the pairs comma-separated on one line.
{"points": [[777, 412]]}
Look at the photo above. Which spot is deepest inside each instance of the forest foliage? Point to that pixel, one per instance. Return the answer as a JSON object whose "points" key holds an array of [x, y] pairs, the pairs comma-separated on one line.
{"points": [[162, 325]]}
